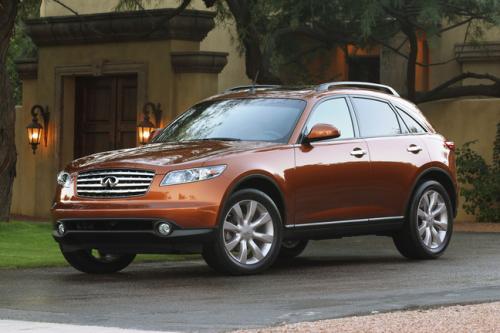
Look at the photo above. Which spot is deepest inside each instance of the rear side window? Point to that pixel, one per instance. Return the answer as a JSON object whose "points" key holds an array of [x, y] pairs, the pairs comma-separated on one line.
{"points": [[376, 118], [412, 125], [333, 112]]}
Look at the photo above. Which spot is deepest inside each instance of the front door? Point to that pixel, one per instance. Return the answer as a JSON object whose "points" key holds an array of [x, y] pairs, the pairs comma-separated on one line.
{"points": [[105, 114], [331, 178]]}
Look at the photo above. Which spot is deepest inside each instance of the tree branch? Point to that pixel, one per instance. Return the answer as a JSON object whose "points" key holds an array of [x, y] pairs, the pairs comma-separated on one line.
{"points": [[66, 7], [398, 52], [445, 91]]}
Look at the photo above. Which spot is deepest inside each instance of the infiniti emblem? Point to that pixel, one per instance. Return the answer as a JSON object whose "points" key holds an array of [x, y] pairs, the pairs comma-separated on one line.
{"points": [[109, 181]]}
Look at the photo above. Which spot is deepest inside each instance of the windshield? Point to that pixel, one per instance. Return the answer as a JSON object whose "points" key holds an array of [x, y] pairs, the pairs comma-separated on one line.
{"points": [[259, 119]]}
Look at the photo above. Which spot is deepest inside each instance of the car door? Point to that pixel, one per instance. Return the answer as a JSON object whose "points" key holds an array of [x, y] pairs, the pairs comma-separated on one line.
{"points": [[396, 155], [330, 178]]}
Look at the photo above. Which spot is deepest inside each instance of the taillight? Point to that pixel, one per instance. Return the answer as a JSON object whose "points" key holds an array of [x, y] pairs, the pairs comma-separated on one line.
{"points": [[450, 145]]}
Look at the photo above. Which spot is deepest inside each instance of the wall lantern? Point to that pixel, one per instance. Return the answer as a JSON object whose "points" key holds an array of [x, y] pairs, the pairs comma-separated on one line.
{"points": [[35, 129], [146, 128]]}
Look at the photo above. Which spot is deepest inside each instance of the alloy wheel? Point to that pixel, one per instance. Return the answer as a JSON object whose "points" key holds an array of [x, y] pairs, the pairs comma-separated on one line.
{"points": [[432, 219], [248, 232]]}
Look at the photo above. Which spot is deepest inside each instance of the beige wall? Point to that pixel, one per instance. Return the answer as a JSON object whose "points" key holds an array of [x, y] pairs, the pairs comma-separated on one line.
{"points": [[466, 120], [443, 49], [221, 38], [23, 196]]}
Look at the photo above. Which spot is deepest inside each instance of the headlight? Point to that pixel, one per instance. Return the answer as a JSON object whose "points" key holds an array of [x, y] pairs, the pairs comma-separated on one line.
{"points": [[192, 175], [64, 179]]}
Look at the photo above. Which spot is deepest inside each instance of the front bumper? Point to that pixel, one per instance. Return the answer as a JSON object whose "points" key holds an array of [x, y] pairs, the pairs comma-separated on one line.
{"points": [[129, 235]]}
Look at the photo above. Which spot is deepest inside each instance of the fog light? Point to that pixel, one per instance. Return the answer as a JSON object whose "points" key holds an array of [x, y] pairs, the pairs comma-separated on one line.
{"points": [[60, 229], [164, 229]]}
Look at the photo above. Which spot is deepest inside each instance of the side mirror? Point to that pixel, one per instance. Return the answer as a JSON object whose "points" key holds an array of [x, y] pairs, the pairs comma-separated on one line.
{"points": [[322, 132]]}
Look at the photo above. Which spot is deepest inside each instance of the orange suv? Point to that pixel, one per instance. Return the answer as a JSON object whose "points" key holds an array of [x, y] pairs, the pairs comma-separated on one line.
{"points": [[247, 177]]}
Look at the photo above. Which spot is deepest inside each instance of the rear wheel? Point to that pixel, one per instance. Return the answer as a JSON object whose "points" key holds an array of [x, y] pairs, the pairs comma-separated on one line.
{"points": [[97, 262], [249, 235], [429, 224], [292, 248]]}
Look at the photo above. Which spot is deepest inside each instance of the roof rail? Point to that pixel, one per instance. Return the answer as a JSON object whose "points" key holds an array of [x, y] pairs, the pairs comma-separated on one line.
{"points": [[328, 85], [250, 87]]}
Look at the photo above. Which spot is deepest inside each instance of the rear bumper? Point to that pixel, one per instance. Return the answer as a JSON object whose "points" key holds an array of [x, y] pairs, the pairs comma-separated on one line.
{"points": [[117, 235]]}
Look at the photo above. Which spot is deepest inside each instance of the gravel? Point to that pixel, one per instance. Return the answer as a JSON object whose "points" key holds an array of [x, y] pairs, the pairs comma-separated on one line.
{"points": [[478, 318]]}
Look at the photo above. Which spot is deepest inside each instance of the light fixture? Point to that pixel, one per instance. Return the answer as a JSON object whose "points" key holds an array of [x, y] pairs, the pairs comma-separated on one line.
{"points": [[146, 128], [164, 228], [35, 129]]}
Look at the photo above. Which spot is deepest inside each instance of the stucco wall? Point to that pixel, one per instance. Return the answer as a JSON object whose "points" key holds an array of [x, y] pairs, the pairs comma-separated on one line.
{"points": [[221, 38], [466, 120], [441, 50]]}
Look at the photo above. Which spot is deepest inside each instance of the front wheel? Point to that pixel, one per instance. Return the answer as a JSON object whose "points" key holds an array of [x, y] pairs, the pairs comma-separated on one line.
{"points": [[97, 262], [429, 224], [249, 235]]}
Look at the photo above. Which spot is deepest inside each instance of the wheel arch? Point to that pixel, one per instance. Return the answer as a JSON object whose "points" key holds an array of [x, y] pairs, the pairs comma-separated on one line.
{"points": [[261, 182], [441, 176]]}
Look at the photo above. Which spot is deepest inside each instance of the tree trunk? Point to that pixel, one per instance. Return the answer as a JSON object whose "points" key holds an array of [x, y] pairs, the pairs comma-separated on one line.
{"points": [[8, 155], [412, 62], [256, 66]]}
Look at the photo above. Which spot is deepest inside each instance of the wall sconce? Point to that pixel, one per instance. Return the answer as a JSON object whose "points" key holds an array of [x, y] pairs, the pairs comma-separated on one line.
{"points": [[146, 128], [35, 129]]}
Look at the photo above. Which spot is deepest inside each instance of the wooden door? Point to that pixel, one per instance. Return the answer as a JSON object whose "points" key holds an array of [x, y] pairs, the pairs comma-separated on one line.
{"points": [[105, 114]]}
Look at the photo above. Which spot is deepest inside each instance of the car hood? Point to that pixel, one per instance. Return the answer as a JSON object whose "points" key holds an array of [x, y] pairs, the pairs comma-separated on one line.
{"points": [[162, 155]]}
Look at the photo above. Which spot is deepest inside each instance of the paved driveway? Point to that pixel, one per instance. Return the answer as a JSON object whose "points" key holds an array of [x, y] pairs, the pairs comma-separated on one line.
{"points": [[331, 279]]}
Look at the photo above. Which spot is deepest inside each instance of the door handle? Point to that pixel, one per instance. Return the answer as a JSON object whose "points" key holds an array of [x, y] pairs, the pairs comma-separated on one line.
{"points": [[358, 152], [414, 149]]}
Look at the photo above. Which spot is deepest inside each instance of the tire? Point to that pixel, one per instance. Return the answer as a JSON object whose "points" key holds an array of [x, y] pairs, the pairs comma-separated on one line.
{"points": [[424, 235], [245, 243], [99, 263], [292, 249]]}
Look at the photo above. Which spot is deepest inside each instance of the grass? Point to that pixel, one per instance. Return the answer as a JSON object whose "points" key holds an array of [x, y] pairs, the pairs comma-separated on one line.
{"points": [[28, 245]]}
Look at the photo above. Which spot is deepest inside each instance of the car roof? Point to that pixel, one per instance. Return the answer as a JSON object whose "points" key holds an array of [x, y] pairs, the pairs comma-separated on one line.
{"points": [[312, 94], [305, 93]]}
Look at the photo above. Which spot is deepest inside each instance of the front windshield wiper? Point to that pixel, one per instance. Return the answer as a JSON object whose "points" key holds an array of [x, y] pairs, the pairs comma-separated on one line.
{"points": [[220, 139]]}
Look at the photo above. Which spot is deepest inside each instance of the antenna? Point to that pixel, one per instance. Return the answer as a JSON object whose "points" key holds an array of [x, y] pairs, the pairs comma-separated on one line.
{"points": [[252, 90]]}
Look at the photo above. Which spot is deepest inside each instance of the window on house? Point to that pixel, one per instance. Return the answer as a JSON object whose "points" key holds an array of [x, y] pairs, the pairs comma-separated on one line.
{"points": [[364, 69]]}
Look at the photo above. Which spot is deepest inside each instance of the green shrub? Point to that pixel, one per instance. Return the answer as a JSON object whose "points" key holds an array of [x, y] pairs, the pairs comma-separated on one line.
{"points": [[480, 181]]}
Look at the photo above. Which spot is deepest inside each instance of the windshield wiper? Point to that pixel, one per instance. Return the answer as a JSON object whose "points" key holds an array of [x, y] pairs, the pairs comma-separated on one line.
{"points": [[220, 139]]}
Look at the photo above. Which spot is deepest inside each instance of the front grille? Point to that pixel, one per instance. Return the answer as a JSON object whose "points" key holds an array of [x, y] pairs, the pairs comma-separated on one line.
{"points": [[116, 183]]}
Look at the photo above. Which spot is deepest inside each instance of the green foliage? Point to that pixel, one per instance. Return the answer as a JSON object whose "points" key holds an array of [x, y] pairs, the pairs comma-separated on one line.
{"points": [[480, 181], [282, 37], [290, 31]]}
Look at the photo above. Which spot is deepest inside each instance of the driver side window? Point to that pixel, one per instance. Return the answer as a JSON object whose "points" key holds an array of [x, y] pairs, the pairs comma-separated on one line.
{"points": [[333, 112]]}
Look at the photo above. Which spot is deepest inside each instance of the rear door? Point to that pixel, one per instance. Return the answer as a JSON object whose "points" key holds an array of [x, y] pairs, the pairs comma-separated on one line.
{"points": [[396, 155], [331, 177]]}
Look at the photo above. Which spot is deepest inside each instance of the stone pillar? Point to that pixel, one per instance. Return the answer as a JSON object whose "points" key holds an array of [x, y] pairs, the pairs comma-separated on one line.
{"points": [[195, 76]]}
